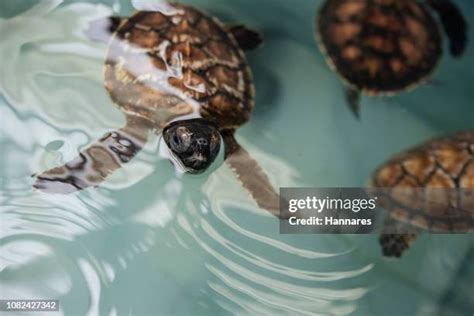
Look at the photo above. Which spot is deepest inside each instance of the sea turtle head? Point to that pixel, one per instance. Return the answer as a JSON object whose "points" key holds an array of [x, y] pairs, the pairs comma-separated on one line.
{"points": [[193, 144]]}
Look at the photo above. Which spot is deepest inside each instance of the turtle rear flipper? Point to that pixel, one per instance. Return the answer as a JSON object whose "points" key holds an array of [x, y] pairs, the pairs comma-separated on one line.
{"points": [[395, 239], [454, 24], [96, 163], [251, 175], [394, 245], [247, 39], [353, 100], [101, 30]]}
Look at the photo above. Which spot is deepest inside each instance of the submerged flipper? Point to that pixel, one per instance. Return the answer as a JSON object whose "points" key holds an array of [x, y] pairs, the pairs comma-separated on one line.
{"points": [[353, 100], [247, 39], [97, 162], [395, 245], [250, 174], [101, 30], [454, 24]]}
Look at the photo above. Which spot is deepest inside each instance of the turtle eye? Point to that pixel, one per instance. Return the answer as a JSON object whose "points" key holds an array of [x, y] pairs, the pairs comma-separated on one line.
{"points": [[215, 142], [181, 140]]}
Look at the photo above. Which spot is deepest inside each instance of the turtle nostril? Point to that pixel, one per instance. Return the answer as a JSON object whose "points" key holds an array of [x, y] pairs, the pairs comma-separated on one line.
{"points": [[202, 142]]}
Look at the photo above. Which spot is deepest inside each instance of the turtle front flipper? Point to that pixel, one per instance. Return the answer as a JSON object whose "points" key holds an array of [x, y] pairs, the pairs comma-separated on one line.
{"points": [[97, 162], [247, 39], [250, 174], [101, 30], [454, 24], [353, 100]]}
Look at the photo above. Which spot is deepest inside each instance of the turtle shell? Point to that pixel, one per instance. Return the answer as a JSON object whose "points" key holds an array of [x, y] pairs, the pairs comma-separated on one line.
{"points": [[379, 46], [178, 63], [432, 186]]}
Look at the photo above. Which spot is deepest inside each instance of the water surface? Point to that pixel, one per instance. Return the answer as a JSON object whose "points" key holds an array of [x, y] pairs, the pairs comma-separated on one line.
{"points": [[150, 242]]}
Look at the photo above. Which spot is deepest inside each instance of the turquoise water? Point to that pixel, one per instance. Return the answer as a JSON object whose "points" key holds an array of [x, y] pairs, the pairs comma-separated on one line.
{"points": [[148, 242]]}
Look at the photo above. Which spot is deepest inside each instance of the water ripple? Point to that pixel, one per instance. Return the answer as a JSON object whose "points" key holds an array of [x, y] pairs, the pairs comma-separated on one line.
{"points": [[172, 237]]}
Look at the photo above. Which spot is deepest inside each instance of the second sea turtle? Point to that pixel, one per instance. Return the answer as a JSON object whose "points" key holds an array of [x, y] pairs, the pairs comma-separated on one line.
{"points": [[427, 188], [382, 47]]}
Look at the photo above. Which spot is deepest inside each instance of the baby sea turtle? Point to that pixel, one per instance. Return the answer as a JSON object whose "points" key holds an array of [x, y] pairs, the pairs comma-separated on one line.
{"points": [[180, 73], [430, 188], [382, 47]]}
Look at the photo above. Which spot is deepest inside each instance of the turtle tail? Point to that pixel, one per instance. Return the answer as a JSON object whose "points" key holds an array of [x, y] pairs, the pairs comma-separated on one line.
{"points": [[97, 162], [454, 24], [395, 245]]}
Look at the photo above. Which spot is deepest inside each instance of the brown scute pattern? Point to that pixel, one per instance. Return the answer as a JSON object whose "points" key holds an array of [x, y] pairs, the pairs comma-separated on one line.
{"points": [[195, 85], [222, 105], [143, 39], [141, 100], [348, 9], [210, 67], [467, 181], [156, 21], [211, 29], [379, 46], [421, 166], [441, 174], [452, 158]]}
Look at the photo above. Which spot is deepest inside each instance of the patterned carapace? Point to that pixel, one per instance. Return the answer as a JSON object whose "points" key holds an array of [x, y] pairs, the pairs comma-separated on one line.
{"points": [[182, 62], [171, 66], [432, 185], [379, 46]]}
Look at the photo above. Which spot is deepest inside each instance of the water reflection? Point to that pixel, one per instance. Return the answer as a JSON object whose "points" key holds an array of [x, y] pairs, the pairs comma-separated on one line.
{"points": [[146, 239], [81, 248], [149, 241]]}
